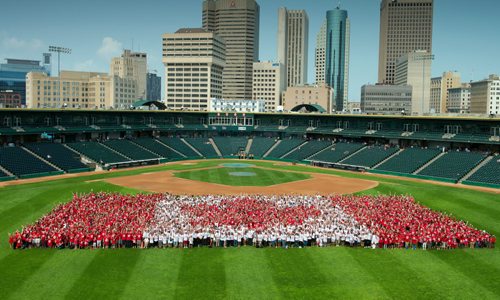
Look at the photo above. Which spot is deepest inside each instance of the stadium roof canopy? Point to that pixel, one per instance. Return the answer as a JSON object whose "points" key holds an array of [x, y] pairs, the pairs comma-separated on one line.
{"points": [[309, 108], [158, 104]]}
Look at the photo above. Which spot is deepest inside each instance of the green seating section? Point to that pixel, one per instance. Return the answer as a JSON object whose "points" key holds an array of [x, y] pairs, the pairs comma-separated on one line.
{"points": [[3, 175], [304, 151], [20, 162], [453, 165], [409, 160], [489, 173], [158, 148], [336, 152], [203, 145], [57, 155], [284, 147], [260, 145], [98, 152], [230, 146], [178, 145], [130, 149], [370, 156]]}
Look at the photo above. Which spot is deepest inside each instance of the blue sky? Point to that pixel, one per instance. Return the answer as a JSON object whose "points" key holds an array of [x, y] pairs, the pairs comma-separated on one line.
{"points": [[465, 37]]}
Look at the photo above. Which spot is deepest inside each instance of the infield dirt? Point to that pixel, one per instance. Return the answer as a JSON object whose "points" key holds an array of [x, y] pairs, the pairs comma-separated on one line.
{"points": [[317, 184]]}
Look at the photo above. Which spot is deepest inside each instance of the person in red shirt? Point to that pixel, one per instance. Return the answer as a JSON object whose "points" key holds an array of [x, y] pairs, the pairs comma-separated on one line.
{"points": [[11, 240]]}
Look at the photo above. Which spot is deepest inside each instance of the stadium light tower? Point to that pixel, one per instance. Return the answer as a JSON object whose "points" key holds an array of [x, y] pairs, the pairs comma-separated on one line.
{"points": [[59, 50]]}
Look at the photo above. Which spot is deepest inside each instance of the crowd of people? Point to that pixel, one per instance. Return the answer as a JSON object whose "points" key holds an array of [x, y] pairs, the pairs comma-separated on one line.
{"points": [[399, 222], [110, 220], [257, 220], [92, 220]]}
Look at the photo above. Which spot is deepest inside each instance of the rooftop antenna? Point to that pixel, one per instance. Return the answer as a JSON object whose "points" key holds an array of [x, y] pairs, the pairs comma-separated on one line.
{"points": [[338, 5], [132, 44]]}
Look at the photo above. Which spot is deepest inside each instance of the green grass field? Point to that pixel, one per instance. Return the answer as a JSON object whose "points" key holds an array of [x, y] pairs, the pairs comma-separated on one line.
{"points": [[247, 272], [262, 177]]}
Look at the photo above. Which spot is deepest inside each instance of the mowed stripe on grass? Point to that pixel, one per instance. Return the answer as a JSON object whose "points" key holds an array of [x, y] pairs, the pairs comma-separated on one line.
{"points": [[247, 272]]}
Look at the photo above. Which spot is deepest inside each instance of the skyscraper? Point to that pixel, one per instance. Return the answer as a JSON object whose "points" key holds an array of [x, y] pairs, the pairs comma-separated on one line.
{"points": [[237, 22], [153, 84], [405, 26], [320, 52], [132, 65], [484, 96], [268, 83], [414, 69], [337, 55], [194, 60], [72, 89], [293, 40], [13, 74], [439, 90]]}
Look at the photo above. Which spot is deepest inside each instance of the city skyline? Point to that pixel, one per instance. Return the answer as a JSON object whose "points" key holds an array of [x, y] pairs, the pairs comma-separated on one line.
{"points": [[459, 35]]}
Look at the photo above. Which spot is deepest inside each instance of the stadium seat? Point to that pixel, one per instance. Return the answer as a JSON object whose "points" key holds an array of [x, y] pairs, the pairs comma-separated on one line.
{"points": [[98, 153], [130, 149], [453, 165], [336, 152], [3, 175], [370, 156], [489, 173], [409, 160], [20, 162], [158, 148], [284, 147], [304, 151], [230, 146], [58, 155], [203, 145], [260, 145], [178, 145]]}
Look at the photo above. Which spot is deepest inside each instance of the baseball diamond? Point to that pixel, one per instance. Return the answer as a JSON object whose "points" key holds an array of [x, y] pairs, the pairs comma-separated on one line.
{"points": [[167, 211]]}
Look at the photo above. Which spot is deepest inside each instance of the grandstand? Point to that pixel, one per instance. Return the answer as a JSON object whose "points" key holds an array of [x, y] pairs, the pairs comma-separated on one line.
{"points": [[370, 156], [304, 151], [336, 152], [4, 176], [291, 137], [260, 145], [178, 145], [283, 147], [22, 164], [158, 148], [58, 155], [409, 160], [230, 146], [488, 173], [204, 146], [452, 165], [98, 153], [129, 149]]}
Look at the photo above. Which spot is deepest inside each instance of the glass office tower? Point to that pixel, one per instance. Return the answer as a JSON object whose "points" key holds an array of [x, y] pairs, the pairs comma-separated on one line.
{"points": [[337, 56]]}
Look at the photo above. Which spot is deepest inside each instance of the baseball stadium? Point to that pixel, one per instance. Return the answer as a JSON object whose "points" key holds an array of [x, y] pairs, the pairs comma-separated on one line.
{"points": [[175, 204]]}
